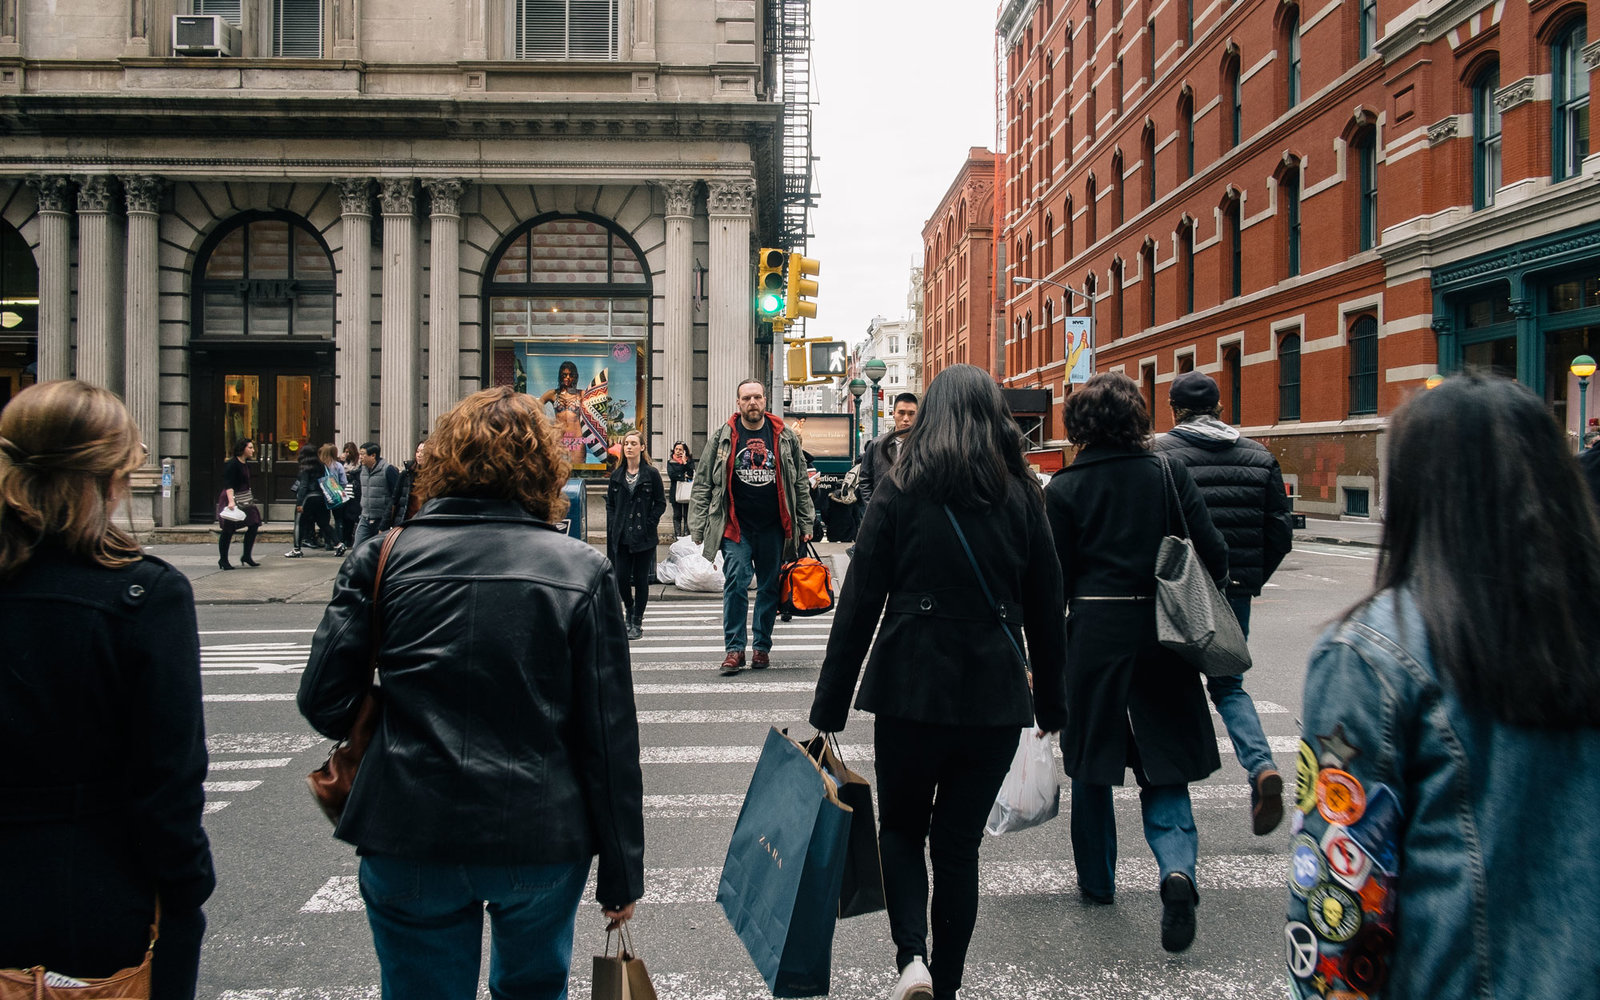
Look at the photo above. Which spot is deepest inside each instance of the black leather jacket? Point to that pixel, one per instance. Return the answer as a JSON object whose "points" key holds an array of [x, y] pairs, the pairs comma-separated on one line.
{"points": [[508, 733]]}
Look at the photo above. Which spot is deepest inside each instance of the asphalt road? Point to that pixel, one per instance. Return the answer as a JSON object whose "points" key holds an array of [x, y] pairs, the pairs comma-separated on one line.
{"points": [[286, 922]]}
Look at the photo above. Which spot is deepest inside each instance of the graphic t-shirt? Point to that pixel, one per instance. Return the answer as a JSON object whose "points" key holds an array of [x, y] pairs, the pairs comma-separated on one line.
{"points": [[755, 477]]}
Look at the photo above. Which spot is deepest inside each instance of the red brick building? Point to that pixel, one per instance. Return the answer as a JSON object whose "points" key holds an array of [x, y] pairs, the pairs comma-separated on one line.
{"points": [[958, 290], [1317, 206]]}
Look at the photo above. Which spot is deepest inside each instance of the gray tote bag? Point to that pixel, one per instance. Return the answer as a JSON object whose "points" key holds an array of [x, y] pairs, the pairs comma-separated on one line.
{"points": [[1193, 618]]}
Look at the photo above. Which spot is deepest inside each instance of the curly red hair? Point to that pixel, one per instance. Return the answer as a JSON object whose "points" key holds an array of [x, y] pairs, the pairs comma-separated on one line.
{"points": [[496, 444]]}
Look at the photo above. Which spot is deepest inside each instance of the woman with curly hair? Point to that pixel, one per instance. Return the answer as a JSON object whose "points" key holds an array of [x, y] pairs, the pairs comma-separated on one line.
{"points": [[101, 727], [507, 750], [1134, 703]]}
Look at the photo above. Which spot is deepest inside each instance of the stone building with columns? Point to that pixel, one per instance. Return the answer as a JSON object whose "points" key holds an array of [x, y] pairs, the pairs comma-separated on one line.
{"points": [[356, 212]]}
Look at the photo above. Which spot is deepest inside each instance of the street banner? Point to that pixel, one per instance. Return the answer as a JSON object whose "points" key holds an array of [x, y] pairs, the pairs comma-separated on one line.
{"points": [[1080, 349]]}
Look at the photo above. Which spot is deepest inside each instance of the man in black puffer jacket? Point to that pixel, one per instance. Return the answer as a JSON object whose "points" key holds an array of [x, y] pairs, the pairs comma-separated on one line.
{"points": [[1243, 488]]}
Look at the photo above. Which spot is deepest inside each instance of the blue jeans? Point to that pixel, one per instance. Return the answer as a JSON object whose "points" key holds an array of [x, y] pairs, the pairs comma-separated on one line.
{"points": [[1168, 828], [427, 926], [1238, 711], [758, 554], [366, 527]]}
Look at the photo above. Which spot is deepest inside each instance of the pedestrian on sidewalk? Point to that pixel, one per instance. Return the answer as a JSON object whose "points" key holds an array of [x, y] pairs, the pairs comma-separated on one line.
{"points": [[101, 727], [946, 677], [1135, 703], [1450, 756], [407, 500], [680, 472], [236, 496], [507, 752], [378, 482], [311, 521], [1243, 489], [750, 501], [635, 502], [350, 510]]}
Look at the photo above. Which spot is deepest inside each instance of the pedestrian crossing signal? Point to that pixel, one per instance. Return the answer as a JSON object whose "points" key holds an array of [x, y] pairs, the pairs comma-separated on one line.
{"points": [[770, 301]]}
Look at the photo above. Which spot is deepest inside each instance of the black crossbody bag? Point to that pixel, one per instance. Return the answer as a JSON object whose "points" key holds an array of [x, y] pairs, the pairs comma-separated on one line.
{"points": [[983, 584]]}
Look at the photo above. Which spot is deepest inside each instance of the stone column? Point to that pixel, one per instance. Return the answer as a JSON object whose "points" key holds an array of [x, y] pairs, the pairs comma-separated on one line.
{"points": [[397, 383], [677, 348], [644, 32], [55, 275], [138, 29], [353, 364], [141, 311], [99, 348], [444, 296], [472, 18], [10, 28], [346, 22], [732, 343]]}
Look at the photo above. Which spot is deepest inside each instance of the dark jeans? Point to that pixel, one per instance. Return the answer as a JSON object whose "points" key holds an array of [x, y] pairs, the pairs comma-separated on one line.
{"points": [[311, 523], [936, 785], [633, 579], [757, 554], [228, 528], [1238, 712], [680, 519]]}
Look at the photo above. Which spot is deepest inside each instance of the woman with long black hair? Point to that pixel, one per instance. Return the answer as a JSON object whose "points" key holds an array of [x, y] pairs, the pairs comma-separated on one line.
{"points": [[959, 521], [635, 502], [680, 469], [1450, 760]]}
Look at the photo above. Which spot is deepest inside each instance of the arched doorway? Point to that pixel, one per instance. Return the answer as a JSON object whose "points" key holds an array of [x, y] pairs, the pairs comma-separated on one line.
{"points": [[19, 314], [261, 354], [567, 319]]}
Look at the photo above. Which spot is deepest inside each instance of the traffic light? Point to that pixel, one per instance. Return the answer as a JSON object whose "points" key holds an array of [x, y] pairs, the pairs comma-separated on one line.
{"points": [[795, 371], [801, 270], [769, 287], [828, 358]]}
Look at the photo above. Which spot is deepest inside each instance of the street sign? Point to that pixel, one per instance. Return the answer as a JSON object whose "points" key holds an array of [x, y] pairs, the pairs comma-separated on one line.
{"points": [[829, 357]]}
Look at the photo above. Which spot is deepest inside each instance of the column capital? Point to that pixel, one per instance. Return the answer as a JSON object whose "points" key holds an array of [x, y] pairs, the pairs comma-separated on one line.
{"points": [[94, 193], [680, 197], [444, 194], [143, 192], [52, 191], [398, 195], [732, 197], [355, 195]]}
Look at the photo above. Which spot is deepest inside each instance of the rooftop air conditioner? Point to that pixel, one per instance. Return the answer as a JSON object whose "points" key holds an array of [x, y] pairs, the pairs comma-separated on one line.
{"points": [[204, 35]]}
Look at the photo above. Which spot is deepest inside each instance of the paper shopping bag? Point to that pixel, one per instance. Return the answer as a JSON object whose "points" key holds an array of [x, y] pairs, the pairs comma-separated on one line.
{"points": [[786, 860], [861, 890], [621, 976]]}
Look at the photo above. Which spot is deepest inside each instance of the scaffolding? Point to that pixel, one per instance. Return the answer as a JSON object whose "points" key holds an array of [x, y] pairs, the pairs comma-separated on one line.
{"points": [[789, 35]]}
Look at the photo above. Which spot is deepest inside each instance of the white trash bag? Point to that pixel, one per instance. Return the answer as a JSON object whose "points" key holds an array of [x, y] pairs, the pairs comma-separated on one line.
{"points": [[667, 569], [690, 569], [1030, 794]]}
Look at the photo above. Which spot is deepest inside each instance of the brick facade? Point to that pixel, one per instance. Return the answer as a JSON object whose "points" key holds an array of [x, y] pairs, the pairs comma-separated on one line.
{"points": [[958, 270]]}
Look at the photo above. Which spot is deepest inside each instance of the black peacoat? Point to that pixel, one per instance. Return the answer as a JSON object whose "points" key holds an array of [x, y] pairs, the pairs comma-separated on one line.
{"points": [[1134, 702], [632, 516], [940, 656]]}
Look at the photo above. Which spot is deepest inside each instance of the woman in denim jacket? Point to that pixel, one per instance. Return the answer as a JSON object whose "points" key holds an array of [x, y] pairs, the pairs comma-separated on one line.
{"points": [[1444, 837]]}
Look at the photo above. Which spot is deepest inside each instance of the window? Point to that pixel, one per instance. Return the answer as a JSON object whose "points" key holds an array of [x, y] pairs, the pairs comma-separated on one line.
{"points": [[1188, 23], [1119, 77], [1292, 42], [1150, 53], [1235, 223], [266, 276], [1289, 193], [1485, 139], [297, 28], [1066, 231], [563, 29], [1147, 275], [1090, 230], [1357, 501], [1049, 243], [1116, 299], [1147, 383], [1366, 150], [1569, 101], [1289, 377], [228, 9], [1186, 266], [894, 345], [1367, 29], [1364, 366], [1047, 347], [1117, 205], [1231, 369], [1186, 122], [1234, 87], [1148, 154]]}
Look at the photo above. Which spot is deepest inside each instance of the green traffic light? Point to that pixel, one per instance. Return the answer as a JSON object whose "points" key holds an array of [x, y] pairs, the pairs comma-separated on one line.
{"points": [[770, 305]]}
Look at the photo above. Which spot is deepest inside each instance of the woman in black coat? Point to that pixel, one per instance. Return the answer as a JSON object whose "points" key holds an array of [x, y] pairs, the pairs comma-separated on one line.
{"points": [[1135, 704], [311, 514], [635, 502], [100, 718], [680, 469], [945, 678]]}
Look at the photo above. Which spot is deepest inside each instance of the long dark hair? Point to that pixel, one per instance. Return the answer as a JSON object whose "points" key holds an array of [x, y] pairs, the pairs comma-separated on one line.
{"points": [[1491, 529], [964, 448]]}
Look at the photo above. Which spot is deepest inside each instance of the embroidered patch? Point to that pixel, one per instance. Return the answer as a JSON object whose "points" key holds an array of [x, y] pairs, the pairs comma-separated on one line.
{"points": [[1378, 829], [1340, 797], [1302, 948], [1336, 750], [1375, 896], [1306, 867], [1335, 914], [1305, 767], [1365, 962], [1347, 862]]}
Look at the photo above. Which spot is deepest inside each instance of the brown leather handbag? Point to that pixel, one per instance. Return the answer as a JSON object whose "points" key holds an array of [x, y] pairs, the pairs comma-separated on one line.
{"points": [[330, 784], [38, 983]]}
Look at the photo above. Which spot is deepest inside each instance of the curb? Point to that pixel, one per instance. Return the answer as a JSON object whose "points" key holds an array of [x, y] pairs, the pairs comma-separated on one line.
{"points": [[1359, 543]]}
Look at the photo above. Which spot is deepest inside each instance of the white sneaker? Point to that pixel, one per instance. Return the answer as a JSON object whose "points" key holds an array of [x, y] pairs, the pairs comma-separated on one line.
{"points": [[916, 983]]}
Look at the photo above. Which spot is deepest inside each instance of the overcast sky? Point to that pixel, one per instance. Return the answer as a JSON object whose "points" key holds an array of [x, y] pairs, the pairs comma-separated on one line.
{"points": [[903, 89]]}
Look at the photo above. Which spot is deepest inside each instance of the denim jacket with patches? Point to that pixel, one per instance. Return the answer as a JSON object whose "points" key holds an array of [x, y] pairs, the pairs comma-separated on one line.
{"points": [[1468, 847]]}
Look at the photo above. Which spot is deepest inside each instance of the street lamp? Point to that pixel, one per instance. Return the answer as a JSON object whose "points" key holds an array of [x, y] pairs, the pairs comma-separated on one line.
{"points": [[875, 369], [1433, 381], [1582, 366], [857, 387], [1094, 328]]}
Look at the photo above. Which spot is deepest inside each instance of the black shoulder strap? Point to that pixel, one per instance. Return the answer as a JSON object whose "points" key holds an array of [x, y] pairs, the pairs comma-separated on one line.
{"points": [[983, 584]]}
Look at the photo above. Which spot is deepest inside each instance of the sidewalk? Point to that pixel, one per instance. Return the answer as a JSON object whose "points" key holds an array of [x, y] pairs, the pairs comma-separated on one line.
{"points": [[1367, 534]]}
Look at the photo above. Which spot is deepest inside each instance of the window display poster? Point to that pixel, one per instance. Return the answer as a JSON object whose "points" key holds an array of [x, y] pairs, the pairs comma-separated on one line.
{"points": [[589, 390]]}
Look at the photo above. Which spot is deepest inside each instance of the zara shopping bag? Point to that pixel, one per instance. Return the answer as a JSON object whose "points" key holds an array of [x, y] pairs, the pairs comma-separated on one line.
{"points": [[621, 976], [780, 882], [1192, 616], [861, 891]]}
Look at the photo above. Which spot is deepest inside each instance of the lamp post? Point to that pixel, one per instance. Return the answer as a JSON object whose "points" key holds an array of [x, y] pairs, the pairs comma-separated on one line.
{"points": [[857, 387], [1582, 366], [875, 369], [1432, 381], [1094, 328]]}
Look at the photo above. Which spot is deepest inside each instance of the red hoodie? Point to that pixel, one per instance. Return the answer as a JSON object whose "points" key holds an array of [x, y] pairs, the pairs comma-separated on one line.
{"points": [[731, 532]]}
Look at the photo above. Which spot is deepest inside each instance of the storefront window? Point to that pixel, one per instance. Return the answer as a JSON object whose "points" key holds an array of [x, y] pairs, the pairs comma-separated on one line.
{"points": [[1579, 293], [1487, 311], [266, 277], [241, 410], [1496, 356]]}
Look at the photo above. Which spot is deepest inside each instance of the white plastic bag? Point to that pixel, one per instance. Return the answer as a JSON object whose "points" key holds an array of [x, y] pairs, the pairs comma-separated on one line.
{"points": [[667, 569], [1030, 794], [691, 571]]}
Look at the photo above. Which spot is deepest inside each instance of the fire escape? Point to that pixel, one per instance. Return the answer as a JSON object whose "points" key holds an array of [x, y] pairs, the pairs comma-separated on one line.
{"points": [[789, 36]]}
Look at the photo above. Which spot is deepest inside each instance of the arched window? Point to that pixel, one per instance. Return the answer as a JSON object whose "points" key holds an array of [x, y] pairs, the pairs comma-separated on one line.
{"points": [[1049, 243], [1116, 189], [1289, 209], [1569, 101], [1291, 44], [1116, 323], [1233, 220], [1289, 377], [1364, 366], [1485, 138], [1186, 266], [1147, 153], [1030, 359], [1090, 230], [1233, 94], [1186, 128], [1067, 231], [1047, 335], [1147, 277], [265, 274], [1364, 148], [1117, 73]]}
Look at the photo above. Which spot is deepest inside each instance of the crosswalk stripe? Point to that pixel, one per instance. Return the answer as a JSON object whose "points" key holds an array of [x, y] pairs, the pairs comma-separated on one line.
{"points": [[261, 743], [245, 765], [230, 786], [257, 696], [213, 807], [852, 754]]}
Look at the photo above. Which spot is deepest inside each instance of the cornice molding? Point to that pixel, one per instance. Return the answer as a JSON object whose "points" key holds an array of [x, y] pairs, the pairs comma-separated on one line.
{"points": [[1522, 258], [1591, 55]]}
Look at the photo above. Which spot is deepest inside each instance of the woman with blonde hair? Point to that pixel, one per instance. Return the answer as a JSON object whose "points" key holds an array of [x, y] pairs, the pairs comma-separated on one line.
{"points": [[100, 716], [507, 751], [635, 501]]}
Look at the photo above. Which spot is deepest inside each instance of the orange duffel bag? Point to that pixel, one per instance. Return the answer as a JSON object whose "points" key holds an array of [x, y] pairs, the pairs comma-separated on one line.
{"points": [[805, 587]]}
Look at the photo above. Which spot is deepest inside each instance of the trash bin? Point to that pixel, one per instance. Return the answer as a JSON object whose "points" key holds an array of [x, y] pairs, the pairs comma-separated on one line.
{"points": [[576, 521]]}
